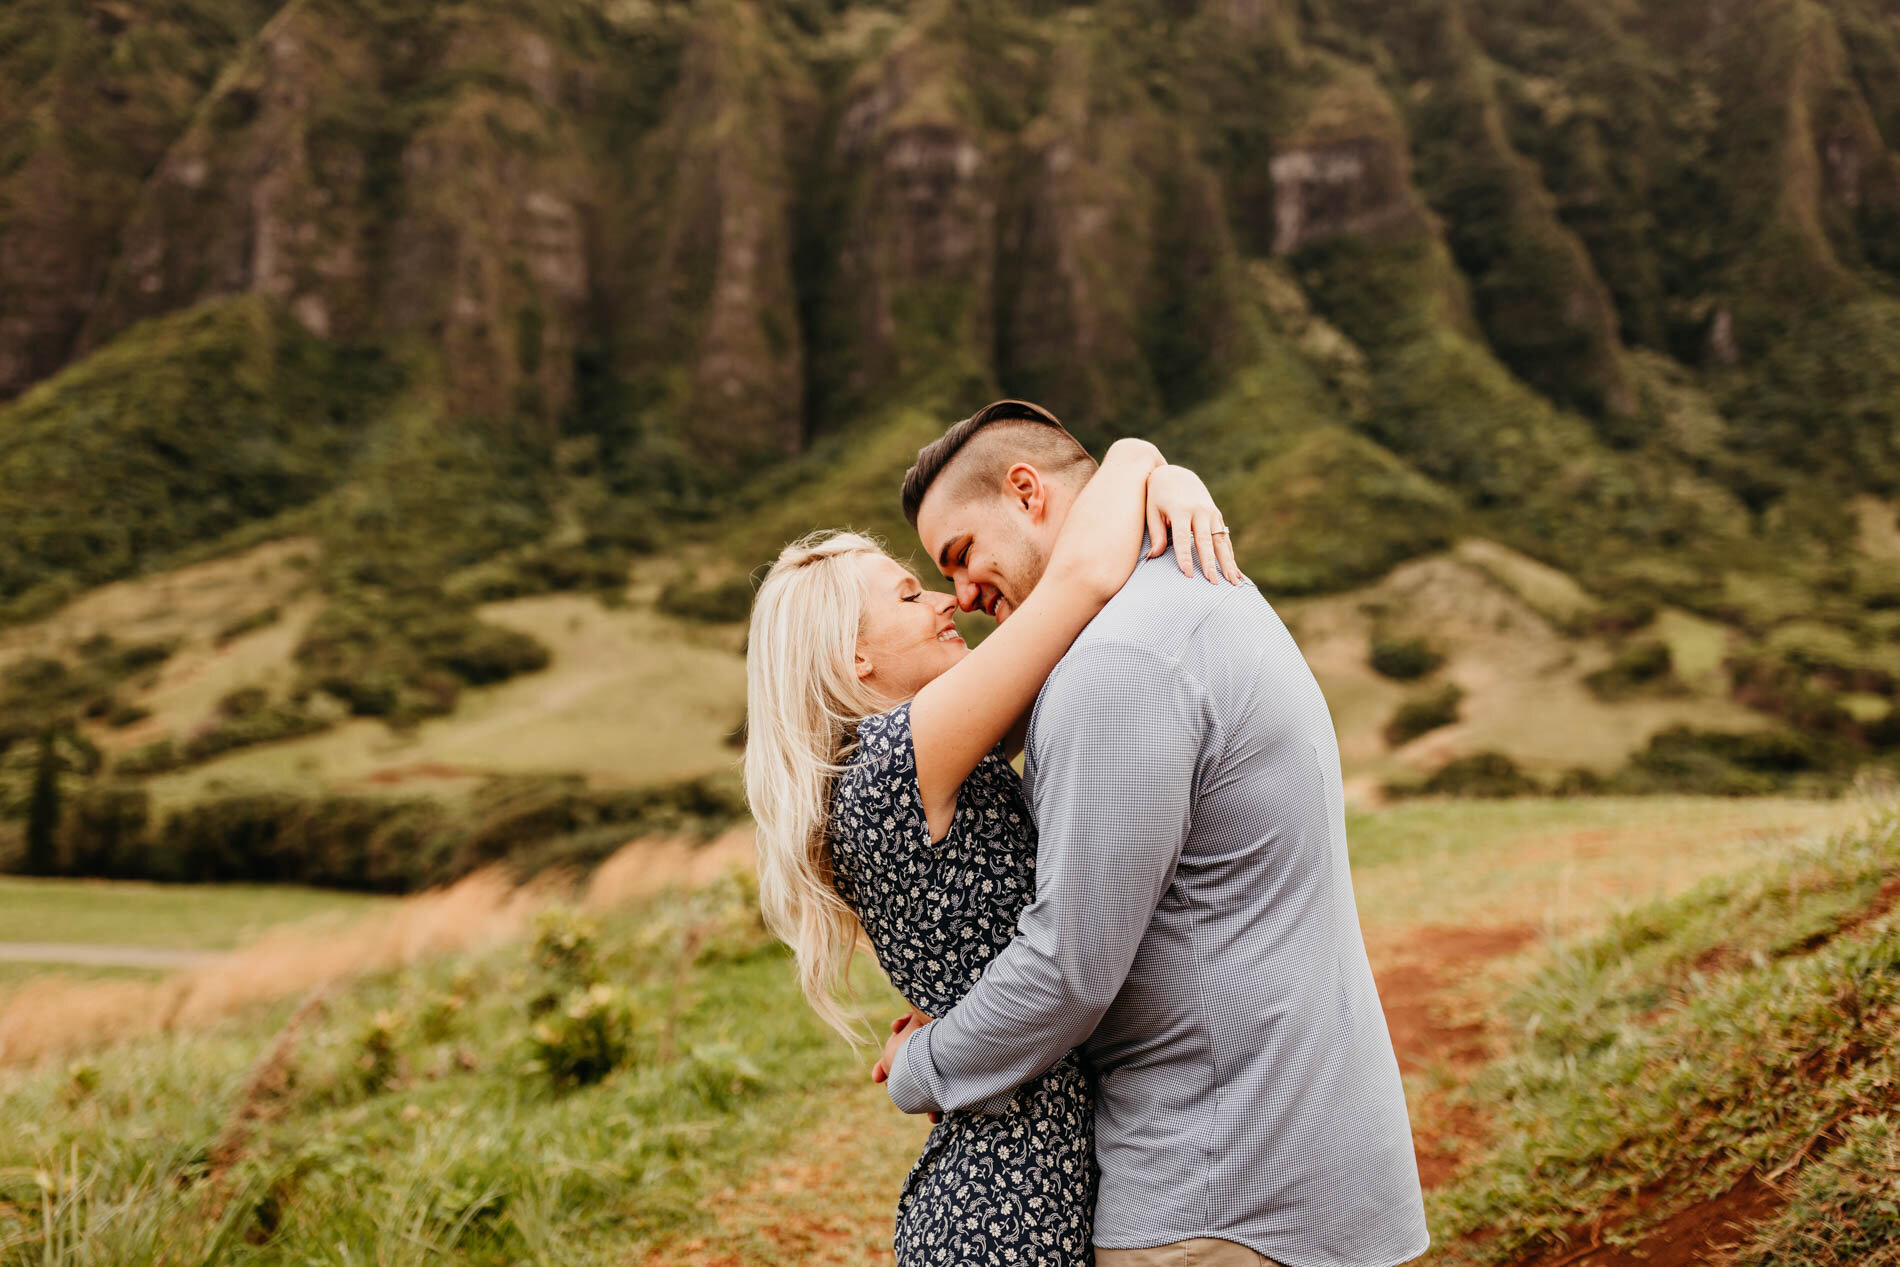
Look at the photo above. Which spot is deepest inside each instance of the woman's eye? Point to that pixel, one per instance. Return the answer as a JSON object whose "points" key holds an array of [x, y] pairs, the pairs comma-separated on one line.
{"points": [[911, 598]]}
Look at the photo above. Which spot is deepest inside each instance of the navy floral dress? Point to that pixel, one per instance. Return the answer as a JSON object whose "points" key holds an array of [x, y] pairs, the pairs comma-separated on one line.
{"points": [[1015, 1188]]}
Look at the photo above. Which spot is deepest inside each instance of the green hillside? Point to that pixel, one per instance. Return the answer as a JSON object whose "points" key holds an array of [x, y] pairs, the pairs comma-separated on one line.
{"points": [[487, 300], [1644, 1028]]}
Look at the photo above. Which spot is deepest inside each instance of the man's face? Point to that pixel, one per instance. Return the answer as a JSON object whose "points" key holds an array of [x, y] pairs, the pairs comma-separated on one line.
{"points": [[991, 546]]}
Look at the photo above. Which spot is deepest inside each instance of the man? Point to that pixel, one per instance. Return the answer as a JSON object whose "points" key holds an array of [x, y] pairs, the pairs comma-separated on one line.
{"points": [[1194, 925]]}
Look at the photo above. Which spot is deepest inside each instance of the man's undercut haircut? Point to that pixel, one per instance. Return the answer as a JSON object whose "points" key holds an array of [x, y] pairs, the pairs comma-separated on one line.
{"points": [[976, 453]]}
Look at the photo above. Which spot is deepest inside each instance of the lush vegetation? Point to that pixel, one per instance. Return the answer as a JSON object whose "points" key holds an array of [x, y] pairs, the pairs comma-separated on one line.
{"points": [[418, 1114], [181, 431], [380, 844], [1619, 294], [645, 1081], [164, 916], [1720, 1041]]}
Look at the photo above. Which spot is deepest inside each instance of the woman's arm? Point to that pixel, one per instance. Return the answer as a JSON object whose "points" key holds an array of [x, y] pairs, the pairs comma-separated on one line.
{"points": [[961, 715]]}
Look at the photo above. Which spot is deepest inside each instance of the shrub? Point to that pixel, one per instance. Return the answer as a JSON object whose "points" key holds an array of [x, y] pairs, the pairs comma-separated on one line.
{"points": [[35, 675], [593, 565], [104, 831], [1482, 774], [376, 843], [1642, 666], [483, 653], [726, 602], [1580, 781], [156, 757], [244, 701], [407, 658], [1780, 689], [122, 714], [585, 1038], [1618, 617], [567, 946], [1423, 713], [251, 622], [121, 662], [249, 720], [1404, 659], [377, 1063], [339, 842], [1716, 763]]}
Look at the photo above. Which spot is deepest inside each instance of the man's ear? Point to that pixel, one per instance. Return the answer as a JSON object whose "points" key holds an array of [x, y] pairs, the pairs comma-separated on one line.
{"points": [[1022, 484]]}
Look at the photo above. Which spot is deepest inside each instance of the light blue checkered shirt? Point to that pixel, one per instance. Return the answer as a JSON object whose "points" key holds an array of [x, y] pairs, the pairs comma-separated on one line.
{"points": [[1194, 930]]}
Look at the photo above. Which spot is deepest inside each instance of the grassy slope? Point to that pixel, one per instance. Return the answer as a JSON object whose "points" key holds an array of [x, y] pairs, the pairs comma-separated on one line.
{"points": [[744, 1131], [182, 430], [464, 1152], [1500, 617], [177, 917], [632, 697]]}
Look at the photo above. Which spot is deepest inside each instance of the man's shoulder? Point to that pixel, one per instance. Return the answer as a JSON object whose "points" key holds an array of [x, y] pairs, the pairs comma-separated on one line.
{"points": [[1163, 610]]}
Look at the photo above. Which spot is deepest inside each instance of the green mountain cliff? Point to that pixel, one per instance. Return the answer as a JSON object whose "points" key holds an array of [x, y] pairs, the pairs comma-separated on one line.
{"points": [[492, 297]]}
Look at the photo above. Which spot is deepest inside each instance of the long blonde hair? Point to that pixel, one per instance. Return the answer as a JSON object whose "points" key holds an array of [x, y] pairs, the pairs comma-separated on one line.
{"points": [[804, 700]]}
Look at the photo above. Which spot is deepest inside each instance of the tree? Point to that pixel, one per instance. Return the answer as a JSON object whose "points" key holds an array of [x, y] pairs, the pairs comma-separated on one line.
{"points": [[42, 810]]}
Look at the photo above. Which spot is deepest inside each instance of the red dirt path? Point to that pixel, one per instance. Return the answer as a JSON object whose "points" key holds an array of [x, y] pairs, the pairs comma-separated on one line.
{"points": [[1414, 978]]}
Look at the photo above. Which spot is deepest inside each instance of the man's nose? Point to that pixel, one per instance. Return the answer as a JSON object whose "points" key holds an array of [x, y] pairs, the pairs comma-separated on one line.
{"points": [[968, 595]]}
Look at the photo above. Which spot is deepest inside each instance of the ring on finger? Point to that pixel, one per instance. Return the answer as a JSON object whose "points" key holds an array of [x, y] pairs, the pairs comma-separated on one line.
{"points": [[1222, 532]]}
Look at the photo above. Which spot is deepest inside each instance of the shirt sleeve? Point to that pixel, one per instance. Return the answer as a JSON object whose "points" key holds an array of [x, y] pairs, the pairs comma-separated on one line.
{"points": [[1119, 738]]}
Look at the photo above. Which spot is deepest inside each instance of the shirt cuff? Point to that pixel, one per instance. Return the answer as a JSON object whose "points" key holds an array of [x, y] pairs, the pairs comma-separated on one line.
{"points": [[907, 1090]]}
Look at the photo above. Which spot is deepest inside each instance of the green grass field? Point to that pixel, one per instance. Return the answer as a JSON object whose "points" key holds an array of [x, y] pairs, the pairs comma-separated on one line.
{"points": [[1575, 1030], [172, 917]]}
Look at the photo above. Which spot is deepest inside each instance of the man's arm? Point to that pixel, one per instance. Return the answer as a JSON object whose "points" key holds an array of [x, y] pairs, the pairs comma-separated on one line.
{"points": [[1119, 740]]}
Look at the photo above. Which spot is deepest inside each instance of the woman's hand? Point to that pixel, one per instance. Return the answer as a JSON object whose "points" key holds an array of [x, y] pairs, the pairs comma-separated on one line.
{"points": [[1178, 500], [901, 1030]]}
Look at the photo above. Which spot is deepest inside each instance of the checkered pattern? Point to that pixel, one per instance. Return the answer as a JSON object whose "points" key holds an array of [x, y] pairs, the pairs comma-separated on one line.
{"points": [[1194, 930]]}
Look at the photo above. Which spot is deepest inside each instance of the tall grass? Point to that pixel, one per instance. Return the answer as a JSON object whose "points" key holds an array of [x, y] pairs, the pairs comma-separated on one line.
{"points": [[462, 1146], [1697, 1043]]}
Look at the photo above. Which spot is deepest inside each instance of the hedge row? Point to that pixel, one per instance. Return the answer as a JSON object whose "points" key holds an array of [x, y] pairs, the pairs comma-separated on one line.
{"points": [[386, 845]]}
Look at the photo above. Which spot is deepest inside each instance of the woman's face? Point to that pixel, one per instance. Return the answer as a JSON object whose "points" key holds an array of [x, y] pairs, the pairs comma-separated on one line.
{"points": [[907, 636]]}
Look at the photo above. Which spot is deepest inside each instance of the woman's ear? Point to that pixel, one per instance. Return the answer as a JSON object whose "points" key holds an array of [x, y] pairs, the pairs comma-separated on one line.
{"points": [[861, 666]]}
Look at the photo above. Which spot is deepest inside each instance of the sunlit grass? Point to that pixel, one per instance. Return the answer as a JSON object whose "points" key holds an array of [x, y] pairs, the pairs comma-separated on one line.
{"points": [[183, 917], [744, 1131], [463, 1150], [1562, 864], [1694, 1044], [590, 712]]}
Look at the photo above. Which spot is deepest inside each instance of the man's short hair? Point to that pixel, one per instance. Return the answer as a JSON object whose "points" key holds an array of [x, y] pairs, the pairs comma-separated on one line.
{"points": [[983, 447]]}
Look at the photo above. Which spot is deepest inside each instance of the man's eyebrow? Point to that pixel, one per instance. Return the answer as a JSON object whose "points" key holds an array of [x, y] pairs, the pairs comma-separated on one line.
{"points": [[943, 555]]}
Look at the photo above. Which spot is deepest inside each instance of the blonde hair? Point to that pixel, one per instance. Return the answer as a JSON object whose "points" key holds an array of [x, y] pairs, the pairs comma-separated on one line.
{"points": [[804, 701]]}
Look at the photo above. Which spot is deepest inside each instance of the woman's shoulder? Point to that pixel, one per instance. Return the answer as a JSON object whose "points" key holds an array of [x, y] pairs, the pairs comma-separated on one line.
{"points": [[881, 762], [883, 743]]}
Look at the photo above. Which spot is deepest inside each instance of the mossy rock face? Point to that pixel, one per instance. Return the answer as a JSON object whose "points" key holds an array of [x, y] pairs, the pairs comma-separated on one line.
{"points": [[1612, 288], [92, 98]]}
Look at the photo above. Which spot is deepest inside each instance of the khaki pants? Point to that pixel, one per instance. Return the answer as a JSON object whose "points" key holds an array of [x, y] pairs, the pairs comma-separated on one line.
{"points": [[1202, 1251]]}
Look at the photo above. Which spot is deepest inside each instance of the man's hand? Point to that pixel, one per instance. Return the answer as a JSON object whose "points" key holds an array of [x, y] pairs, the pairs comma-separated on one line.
{"points": [[901, 1030]]}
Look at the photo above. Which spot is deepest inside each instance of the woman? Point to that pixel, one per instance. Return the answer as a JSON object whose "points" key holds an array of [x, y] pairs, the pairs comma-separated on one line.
{"points": [[876, 767]]}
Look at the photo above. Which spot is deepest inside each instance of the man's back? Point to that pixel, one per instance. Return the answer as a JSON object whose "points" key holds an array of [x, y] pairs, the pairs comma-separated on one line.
{"points": [[1248, 1086]]}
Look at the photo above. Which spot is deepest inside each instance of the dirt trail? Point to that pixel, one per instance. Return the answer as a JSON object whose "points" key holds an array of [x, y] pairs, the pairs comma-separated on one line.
{"points": [[830, 1198], [48, 1017]]}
